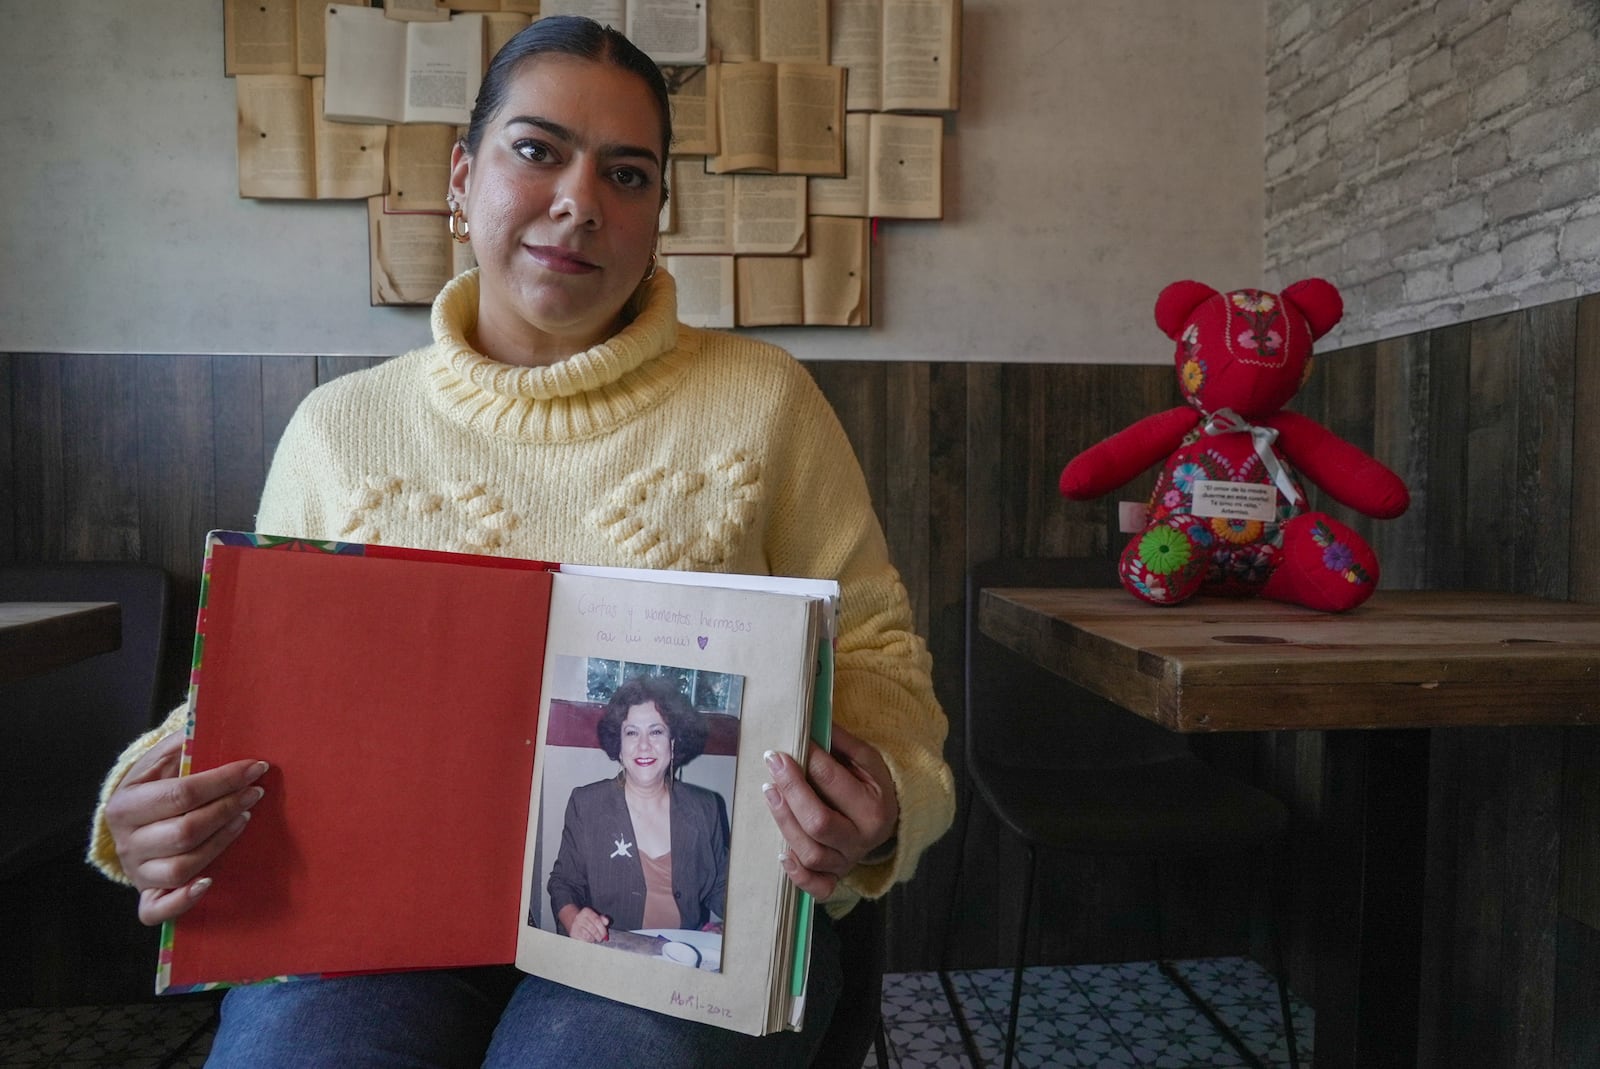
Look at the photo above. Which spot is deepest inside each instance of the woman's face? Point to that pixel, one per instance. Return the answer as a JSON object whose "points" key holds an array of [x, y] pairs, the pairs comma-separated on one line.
{"points": [[646, 750], [562, 198]]}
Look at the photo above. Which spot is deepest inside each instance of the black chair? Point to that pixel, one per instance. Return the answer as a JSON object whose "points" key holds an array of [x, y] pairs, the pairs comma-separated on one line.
{"points": [[1106, 784], [857, 1024], [61, 731]]}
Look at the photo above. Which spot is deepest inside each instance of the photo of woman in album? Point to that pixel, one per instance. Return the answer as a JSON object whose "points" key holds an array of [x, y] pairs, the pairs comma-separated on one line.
{"points": [[639, 858]]}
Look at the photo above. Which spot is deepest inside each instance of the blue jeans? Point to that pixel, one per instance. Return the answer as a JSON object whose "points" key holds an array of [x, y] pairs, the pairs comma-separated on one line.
{"points": [[497, 1018]]}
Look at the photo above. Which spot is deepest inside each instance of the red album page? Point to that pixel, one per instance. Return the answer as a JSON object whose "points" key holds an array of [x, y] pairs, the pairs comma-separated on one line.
{"points": [[397, 701]]}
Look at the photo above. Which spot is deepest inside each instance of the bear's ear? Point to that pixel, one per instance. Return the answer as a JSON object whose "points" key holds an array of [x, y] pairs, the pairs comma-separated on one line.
{"points": [[1176, 303], [1319, 301]]}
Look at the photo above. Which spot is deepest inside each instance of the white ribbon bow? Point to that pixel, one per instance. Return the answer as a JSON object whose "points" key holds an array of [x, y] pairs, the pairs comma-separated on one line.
{"points": [[1227, 421]]}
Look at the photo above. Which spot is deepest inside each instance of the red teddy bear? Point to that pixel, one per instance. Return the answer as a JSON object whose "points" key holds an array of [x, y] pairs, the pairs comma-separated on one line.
{"points": [[1228, 512]]}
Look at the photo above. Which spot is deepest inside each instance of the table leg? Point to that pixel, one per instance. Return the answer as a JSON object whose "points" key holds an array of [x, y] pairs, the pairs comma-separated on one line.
{"points": [[1369, 921]]}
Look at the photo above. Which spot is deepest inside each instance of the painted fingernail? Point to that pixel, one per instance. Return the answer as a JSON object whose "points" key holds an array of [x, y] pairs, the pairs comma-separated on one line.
{"points": [[251, 797], [786, 860], [256, 771], [200, 887], [772, 760], [771, 794]]}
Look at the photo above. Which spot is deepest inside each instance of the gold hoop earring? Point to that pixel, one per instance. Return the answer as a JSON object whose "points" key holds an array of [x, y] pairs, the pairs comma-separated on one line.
{"points": [[459, 228], [654, 263]]}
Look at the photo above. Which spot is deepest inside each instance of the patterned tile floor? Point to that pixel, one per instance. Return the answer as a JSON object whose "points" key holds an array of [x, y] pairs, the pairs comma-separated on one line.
{"points": [[1091, 1015], [1087, 1015], [144, 1035]]}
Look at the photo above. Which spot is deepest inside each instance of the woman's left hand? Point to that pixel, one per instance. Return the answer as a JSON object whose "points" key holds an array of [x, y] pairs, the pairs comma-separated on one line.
{"points": [[845, 810]]}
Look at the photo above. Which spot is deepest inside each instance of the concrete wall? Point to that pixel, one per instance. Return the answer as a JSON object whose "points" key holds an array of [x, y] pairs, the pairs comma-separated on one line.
{"points": [[1100, 152], [1439, 161]]}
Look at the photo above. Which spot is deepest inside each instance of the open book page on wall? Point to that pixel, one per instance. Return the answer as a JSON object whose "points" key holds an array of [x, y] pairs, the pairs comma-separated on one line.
{"points": [[286, 149], [311, 35], [769, 214], [416, 10], [769, 291], [498, 28], [776, 31], [905, 169], [894, 169], [258, 37], [694, 109], [903, 55], [524, 7], [668, 31], [417, 165], [705, 290], [830, 286], [702, 210], [847, 194], [410, 254], [388, 70], [836, 274], [780, 118], [855, 42], [921, 55], [275, 36], [449, 711], [755, 214]]}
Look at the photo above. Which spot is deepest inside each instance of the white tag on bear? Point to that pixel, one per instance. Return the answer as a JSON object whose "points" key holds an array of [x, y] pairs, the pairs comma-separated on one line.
{"points": [[1234, 501]]}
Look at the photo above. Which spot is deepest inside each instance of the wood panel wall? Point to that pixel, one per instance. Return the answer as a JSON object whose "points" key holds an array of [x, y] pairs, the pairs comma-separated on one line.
{"points": [[1495, 425]]}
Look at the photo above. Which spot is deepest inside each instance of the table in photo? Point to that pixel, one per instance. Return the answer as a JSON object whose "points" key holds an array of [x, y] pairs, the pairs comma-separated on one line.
{"points": [[1404, 662], [40, 636]]}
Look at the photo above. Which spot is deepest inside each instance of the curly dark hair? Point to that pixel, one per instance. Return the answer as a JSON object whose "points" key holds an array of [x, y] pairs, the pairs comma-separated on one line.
{"points": [[685, 725]]}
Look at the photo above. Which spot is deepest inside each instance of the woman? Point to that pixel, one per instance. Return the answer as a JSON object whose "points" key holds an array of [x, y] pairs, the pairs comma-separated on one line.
{"points": [[562, 413], [642, 849]]}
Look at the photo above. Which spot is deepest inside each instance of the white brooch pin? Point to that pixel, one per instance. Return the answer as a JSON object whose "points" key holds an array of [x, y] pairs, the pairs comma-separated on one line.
{"points": [[623, 846]]}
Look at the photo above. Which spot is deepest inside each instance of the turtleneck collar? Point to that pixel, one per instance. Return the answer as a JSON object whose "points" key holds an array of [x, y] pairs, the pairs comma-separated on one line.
{"points": [[585, 394]]}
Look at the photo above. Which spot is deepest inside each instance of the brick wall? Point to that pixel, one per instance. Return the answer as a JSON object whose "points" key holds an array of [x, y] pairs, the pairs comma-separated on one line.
{"points": [[1438, 161]]}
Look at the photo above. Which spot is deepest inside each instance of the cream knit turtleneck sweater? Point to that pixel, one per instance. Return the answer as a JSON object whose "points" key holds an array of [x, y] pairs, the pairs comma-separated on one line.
{"points": [[664, 447]]}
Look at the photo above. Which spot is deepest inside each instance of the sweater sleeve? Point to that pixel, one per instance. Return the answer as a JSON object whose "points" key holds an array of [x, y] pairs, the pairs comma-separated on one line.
{"points": [[102, 851], [824, 525]]}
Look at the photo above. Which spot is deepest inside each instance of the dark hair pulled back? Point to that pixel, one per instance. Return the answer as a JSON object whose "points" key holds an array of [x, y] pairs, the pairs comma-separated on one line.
{"points": [[568, 35]]}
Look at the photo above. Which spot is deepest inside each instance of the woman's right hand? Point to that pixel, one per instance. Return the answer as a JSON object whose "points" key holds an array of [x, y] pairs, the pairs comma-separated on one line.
{"points": [[167, 829], [587, 925]]}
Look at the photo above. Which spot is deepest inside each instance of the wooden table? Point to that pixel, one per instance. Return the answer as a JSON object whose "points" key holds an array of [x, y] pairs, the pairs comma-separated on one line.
{"points": [[1405, 662], [38, 636]]}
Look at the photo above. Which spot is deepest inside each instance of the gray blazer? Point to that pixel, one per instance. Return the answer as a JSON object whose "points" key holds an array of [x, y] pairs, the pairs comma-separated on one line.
{"points": [[598, 865]]}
